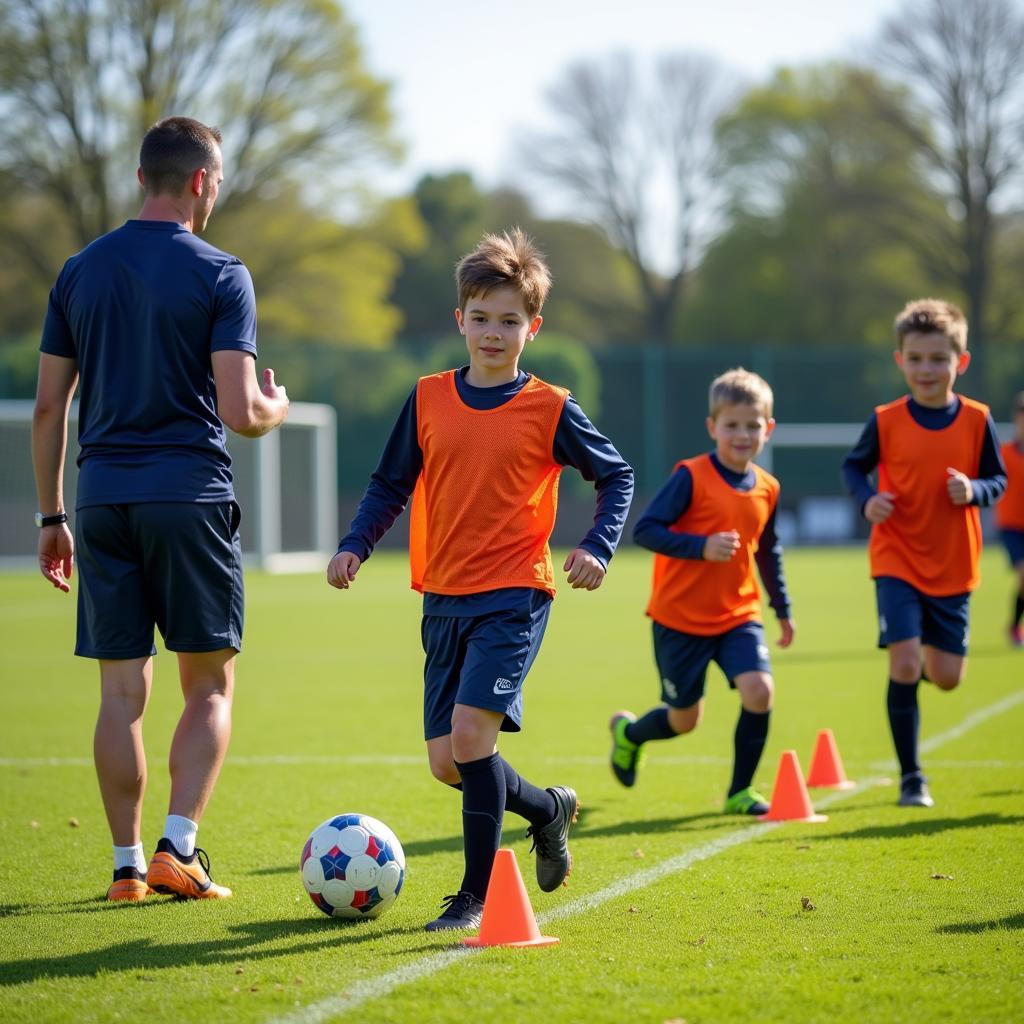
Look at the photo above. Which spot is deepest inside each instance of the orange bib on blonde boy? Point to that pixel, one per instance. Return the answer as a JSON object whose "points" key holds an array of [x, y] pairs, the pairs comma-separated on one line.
{"points": [[484, 506], [1010, 508], [928, 541], [708, 598]]}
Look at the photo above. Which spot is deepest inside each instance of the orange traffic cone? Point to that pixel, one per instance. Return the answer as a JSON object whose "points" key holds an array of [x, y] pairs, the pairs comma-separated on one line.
{"points": [[826, 765], [508, 917], [790, 801]]}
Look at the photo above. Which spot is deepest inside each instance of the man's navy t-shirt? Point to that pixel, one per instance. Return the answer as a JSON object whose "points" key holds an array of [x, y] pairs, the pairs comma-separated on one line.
{"points": [[140, 310]]}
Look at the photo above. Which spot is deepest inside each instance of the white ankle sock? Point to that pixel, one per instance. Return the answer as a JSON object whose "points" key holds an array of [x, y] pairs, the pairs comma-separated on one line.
{"points": [[182, 833], [130, 857]]}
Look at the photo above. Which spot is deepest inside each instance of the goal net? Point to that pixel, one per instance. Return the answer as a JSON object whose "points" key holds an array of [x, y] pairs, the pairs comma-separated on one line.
{"points": [[285, 482]]}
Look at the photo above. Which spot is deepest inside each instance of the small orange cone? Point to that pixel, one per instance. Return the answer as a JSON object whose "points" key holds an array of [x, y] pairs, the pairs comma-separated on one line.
{"points": [[790, 801], [508, 917], [826, 765]]}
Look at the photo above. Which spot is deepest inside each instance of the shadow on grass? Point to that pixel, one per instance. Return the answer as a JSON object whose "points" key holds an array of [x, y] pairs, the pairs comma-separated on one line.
{"points": [[1002, 792], [1014, 922], [91, 905], [928, 826], [140, 955]]}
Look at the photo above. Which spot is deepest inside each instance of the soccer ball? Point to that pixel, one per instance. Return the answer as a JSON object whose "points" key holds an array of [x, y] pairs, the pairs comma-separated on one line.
{"points": [[353, 866]]}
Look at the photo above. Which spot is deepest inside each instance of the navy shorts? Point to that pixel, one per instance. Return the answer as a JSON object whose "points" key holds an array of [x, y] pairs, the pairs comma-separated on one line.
{"points": [[1013, 541], [173, 566], [683, 659], [481, 662], [905, 613]]}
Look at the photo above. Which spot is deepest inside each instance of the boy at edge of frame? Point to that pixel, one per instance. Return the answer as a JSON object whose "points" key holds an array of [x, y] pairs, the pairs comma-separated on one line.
{"points": [[480, 449], [1010, 516], [938, 462]]}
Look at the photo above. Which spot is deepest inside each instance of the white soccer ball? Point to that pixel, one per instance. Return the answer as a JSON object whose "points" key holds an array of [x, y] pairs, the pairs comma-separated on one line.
{"points": [[353, 866]]}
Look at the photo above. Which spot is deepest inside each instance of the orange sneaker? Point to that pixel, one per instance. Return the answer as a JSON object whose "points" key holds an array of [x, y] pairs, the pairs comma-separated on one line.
{"points": [[129, 886], [186, 877]]}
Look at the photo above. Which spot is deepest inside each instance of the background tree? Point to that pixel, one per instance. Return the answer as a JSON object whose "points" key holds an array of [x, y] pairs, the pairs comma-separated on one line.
{"points": [[962, 61], [821, 191], [595, 296], [81, 80], [638, 156]]}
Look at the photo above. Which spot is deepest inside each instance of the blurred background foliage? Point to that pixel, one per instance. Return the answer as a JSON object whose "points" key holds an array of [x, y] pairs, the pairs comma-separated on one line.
{"points": [[800, 212]]}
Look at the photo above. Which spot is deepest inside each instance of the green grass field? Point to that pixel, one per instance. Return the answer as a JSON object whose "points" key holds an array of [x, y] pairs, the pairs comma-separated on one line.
{"points": [[918, 915]]}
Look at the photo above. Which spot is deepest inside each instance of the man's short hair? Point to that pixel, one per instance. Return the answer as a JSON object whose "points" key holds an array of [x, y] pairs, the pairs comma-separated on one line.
{"points": [[173, 150], [933, 316], [740, 387], [509, 259]]}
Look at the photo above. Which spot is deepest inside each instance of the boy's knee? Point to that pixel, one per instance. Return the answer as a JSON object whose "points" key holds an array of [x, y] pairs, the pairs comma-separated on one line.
{"points": [[757, 691], [444, 770], [905, 664], [683, 720]]}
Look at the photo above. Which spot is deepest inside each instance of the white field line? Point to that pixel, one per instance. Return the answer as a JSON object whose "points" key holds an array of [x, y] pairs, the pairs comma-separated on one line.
{"points": [[382, 985], [374, 988], [958, 730]]}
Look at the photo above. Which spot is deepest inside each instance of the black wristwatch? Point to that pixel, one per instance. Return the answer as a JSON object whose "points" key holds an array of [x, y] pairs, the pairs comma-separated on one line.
{"points": [[41, 520]]}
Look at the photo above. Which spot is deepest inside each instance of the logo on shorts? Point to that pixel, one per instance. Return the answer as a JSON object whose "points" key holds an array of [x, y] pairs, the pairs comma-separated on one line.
{"points": [[882, 624], [763, 652], [504, 686], [670, 689]]}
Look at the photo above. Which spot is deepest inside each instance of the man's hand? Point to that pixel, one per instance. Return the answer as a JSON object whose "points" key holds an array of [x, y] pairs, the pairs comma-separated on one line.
{"points": [[787, 630], [585, 571], [57, 555], [342, 569], [879, 507], [720, 547], [959, 487]]}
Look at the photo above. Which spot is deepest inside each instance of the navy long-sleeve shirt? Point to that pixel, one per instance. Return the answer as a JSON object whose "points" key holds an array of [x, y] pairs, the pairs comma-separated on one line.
{"points": [[577, 443], [653, 530], [867, 453]]}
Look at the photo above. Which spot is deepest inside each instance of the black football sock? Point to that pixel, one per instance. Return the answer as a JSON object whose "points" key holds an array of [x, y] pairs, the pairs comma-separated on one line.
{"points": [[652, 726], [537, 806], [748, 745], [1018, 609], [904, 721], [483, 805]]}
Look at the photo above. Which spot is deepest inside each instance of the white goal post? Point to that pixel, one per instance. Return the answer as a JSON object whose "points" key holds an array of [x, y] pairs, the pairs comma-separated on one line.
{"points": [[285, 482]]}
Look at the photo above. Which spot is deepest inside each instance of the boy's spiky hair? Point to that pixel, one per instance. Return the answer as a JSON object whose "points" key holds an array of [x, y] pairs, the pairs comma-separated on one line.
{"points": [[510, 258], [933, 316], [740, 387]]}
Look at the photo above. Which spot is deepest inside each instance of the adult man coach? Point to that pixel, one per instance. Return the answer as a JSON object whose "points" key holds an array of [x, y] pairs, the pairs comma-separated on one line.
{"points": [[158, 328]]}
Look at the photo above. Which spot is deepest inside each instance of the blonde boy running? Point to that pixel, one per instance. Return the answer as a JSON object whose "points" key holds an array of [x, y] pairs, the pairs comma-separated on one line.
{"points": [[711, 522]]}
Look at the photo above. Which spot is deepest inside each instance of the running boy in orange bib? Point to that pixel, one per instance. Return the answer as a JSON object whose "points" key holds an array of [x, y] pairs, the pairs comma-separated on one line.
{"points": [[481, 450], [710, 523], [1010, 514], [937, 458]]}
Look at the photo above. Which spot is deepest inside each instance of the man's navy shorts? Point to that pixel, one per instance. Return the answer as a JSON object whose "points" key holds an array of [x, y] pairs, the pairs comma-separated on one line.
{"points": [[481, 662], [905, 613], [175, 566], [1013, 541], [683, 659]]}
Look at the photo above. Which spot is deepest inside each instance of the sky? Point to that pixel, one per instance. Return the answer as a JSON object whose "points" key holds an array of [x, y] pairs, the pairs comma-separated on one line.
{"points": [[469, 76]]}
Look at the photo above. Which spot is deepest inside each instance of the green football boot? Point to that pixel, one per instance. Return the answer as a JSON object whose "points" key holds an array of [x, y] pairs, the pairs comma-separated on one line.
{"points": [[746, 801], [627, 756]]}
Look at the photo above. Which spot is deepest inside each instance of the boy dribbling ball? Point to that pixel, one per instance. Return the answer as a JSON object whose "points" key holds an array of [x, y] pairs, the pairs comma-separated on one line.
{"points": [[937, 457], [481, 449], [710, 523]]}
